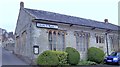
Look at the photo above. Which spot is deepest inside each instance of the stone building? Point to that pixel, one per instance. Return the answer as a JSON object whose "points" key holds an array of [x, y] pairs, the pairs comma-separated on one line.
{"points": [[9, 42], [0, 37], [119, 13], [3, 36], [7, 39], [54, 31]]}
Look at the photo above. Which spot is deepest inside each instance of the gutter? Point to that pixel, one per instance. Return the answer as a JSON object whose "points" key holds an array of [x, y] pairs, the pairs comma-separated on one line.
{"points": [[39, 20]]}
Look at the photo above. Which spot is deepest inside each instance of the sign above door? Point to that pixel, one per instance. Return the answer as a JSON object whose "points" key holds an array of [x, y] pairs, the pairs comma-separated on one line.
{"points": [[43, 25]]}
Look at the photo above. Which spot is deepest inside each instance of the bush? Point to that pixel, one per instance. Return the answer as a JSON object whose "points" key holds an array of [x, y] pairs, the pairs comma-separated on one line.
{"points": [[73, 56], [62, 57], [47, 58], [52, 58], [95, 55]]}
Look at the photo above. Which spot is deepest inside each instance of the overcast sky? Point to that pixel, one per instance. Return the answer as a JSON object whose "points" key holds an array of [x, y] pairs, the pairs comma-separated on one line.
{"points": [[90, 9]]}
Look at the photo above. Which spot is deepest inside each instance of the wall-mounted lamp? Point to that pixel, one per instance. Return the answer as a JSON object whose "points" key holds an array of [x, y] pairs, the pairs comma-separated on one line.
{"points": [[36, 50]]}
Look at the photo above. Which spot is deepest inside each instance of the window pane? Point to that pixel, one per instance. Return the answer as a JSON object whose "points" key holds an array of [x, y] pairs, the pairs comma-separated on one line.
{"points": [[100, 39], [103, 40], [96, 39], [50, 40], [84, 43], [59, 46], [63, 42], [77, 41], [81, 43], [54, 41]]}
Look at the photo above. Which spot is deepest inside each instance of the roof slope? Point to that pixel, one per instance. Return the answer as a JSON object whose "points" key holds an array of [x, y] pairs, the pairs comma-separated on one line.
{"points": [[60, 18]]}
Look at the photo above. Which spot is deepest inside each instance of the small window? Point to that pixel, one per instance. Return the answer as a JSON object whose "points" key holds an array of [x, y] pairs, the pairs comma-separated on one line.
{"points": [[50, 40], [54, 40], [97, 39], [100, 39]]}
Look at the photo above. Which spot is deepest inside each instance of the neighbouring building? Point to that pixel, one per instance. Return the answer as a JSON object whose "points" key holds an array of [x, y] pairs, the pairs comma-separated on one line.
{"points": [[119, 13], [7, 40], [0, 37], [54, 31], [3, 36]]}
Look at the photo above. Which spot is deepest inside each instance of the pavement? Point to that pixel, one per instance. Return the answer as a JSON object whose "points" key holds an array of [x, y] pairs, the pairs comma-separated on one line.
{"points": [[8, 58], [105, 65]]}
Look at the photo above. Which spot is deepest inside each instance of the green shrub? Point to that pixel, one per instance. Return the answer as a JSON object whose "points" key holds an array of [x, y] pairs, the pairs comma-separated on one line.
{"points": [[62, 57], [73, 56], [52, 58], [95, 55], [47, 58]]}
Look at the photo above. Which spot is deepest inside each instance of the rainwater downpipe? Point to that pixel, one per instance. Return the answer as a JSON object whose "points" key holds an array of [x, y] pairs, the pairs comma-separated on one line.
{"points": [[107, 43]]}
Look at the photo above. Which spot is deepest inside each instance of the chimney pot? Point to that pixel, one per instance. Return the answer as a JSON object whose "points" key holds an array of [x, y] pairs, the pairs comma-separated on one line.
{"points": [[22, 4], [106, 20]]}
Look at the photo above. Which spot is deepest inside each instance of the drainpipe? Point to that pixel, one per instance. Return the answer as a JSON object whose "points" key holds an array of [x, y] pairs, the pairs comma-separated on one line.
{"points": [[107, 43]]}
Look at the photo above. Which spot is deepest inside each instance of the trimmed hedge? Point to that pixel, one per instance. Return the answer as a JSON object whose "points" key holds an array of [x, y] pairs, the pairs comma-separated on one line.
{"points": [[62, 57], [52, 58], [73, 56], [47, 58], [95, 55]]}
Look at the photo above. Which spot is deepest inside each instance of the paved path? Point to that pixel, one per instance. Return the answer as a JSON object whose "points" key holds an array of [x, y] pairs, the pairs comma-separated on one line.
{"points": [[99, 65], [105, 65], [10, 59]]}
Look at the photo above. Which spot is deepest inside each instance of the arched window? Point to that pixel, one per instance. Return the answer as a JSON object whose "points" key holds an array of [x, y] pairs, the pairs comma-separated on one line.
{"points": [[59, 41], [63, 41], [82, 40], [50, 40], [100, 39], [56, 40], [97, 39]]}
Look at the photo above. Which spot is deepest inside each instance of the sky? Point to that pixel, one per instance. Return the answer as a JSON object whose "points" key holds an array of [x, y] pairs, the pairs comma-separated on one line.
{"points": [[89, 9]]}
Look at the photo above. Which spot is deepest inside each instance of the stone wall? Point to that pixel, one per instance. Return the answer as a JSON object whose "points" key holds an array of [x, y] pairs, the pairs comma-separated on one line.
{"points": [[40, 37], [24, 24]]}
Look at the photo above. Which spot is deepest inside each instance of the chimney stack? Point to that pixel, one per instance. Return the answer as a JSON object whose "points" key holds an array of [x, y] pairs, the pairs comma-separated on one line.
{"points": [[106, 20], [21, 4]]}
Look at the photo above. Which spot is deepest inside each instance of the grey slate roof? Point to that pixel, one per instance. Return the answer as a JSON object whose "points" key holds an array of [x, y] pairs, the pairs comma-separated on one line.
{"points": [[60, 18]]}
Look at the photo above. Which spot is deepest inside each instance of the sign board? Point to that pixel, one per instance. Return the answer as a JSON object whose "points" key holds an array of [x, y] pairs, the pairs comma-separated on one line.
{"points": [[36, 49], [46, 25]]}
